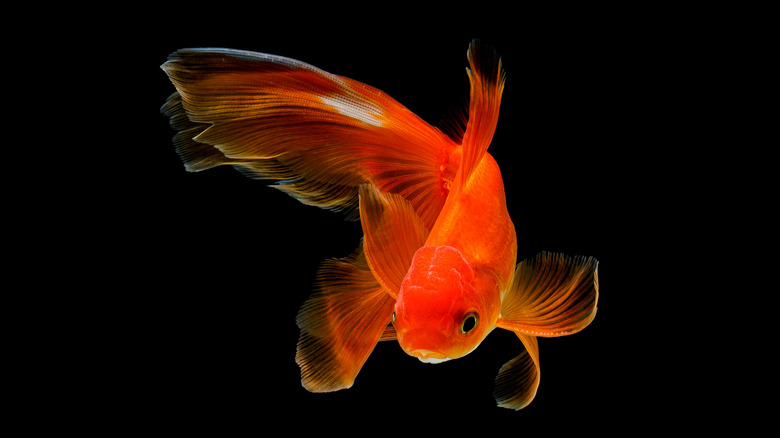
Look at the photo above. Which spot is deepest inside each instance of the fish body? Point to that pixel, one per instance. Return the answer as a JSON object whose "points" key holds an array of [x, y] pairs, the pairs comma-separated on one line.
{"points": [[462, 272], [436, 269]]}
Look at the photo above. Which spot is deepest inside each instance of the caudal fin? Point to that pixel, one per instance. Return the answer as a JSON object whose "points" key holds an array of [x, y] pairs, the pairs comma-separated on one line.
{"points": [[319, 135]]}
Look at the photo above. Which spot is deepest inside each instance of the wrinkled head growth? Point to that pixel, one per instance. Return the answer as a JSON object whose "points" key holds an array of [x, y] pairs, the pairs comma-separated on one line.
{"points": [[444, 309]]}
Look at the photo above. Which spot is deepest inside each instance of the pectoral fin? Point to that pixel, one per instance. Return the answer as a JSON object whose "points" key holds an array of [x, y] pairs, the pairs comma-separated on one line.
{"points": [[551, 295], [393, 232]]}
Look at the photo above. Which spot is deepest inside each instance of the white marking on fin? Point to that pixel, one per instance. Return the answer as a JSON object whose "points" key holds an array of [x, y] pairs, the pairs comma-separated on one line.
{"points": [[364, 112]]}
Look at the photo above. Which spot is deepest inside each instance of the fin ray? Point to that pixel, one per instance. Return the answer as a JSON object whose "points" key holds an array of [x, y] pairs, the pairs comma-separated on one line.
{"points": [[518, 379], [393, 232], [341, 324], [487, 78], [551, 295], [329, 133]]}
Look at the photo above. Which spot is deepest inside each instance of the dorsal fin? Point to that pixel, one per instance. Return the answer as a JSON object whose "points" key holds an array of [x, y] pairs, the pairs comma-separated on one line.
{"points": [[454, 120], [487, 79]]}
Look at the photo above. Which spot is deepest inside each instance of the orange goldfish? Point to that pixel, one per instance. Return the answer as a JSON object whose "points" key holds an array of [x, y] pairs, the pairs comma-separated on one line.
{"points": [[436, 269]]}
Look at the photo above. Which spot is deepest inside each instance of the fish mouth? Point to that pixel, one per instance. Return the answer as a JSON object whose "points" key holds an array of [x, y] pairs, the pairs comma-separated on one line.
{"points": [[428, 356]]}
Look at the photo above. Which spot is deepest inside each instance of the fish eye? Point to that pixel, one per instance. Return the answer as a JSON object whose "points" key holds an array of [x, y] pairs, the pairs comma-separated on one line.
{"points": [[469, 322]]}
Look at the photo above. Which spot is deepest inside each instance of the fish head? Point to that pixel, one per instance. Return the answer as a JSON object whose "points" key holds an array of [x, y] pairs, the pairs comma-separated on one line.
{"points": [[444, 308]]}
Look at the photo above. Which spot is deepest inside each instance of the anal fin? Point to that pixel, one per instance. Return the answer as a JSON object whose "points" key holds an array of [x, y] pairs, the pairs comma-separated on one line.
{"points": [[518, 379]]}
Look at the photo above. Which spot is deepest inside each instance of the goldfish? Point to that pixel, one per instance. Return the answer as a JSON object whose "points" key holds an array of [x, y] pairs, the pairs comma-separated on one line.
{"points": [[436, 269]]}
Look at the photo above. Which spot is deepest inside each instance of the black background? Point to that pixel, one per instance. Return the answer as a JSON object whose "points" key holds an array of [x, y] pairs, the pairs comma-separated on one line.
{"points": [[227, 261]]}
